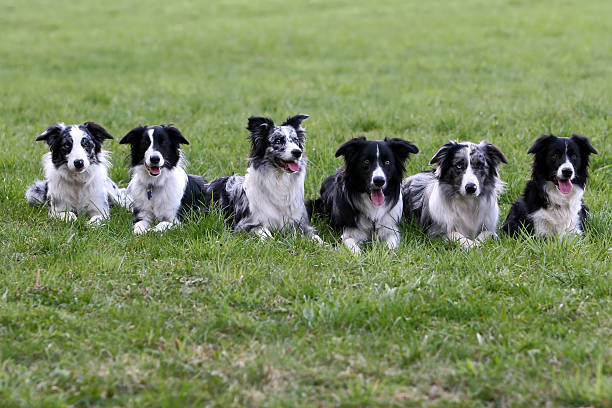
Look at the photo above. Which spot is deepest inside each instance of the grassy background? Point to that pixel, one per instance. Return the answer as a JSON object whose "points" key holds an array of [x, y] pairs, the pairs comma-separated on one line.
{"points": [[200, 315]]}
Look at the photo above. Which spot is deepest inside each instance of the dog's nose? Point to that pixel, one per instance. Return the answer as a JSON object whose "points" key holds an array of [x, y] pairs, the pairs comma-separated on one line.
{"points": [[154, 159], [78, 164], [296, 153], [567, 173], [470, 188], [379, 181]]}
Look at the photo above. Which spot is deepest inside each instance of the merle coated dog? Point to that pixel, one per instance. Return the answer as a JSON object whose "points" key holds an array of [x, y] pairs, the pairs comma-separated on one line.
{"points": [[76, 174], [552, 200], [160, 188], [270, 197], [363, 199], [457, 200]]}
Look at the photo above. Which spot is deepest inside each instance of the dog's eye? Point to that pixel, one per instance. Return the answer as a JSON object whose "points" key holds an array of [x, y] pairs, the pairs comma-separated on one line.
{"points": [[366, 163], [66, 147], [478, 165], [459, 166], [555, 156], [279, 140], [387, 163], [573, 156]]}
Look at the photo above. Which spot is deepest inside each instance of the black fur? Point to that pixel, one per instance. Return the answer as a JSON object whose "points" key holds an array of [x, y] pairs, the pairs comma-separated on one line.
{"points": [[550, 152]]}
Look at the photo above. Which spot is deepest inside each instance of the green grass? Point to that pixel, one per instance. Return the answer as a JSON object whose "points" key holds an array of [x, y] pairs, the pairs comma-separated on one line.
{"points": [[200, 316]]}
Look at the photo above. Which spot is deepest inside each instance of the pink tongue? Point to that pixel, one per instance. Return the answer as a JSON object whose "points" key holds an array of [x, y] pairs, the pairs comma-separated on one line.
{"points": [[293, 166], [377, 197], [154, 170], [565, 186]]}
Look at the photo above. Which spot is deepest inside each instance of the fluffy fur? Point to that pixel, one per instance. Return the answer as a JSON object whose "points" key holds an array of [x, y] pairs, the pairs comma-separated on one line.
{"points": [[457, 200], [76, 174], [552, 201], [160, 189], [363, 199], [270, 197]]}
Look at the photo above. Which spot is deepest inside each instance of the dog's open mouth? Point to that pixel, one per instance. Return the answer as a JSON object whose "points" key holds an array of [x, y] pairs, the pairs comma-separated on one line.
{"points": [[377, 196], [153, 170], [290, 166], [564, 186]]}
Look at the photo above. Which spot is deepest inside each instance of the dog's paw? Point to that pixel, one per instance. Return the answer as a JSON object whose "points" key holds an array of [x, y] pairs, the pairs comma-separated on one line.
{"points": [[140, 229], [263, 233], [164, 225], [67, 216], [484, 235], [96, 220], [317, 239], [467, 243], [352, 246]]}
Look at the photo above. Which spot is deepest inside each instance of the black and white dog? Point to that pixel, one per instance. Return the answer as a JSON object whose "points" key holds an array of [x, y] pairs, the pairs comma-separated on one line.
{"points": [[363, 199], [76, 174], [457, 200], [160, 188], [270, 197], [552, 200]]}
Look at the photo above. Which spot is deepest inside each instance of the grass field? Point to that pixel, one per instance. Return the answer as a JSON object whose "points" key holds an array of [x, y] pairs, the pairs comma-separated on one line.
{"points": [[200, 316]]}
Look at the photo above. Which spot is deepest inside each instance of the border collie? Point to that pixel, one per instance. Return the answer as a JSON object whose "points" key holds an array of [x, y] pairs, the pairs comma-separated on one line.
{"points": [[76, 174], [458, 199], [271, 194], [160, 189], [552, 200], [363, 199]]}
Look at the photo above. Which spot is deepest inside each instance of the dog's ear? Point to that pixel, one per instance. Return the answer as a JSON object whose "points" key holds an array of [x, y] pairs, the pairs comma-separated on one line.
{"points": [[133, 136], [494, 153], [295, 121], [540, 143], [584, 144], [260, 128], [175, 134], [260, 125], [442, 152], [401, 148], [349, 147], [52, 133], [98, 132]]}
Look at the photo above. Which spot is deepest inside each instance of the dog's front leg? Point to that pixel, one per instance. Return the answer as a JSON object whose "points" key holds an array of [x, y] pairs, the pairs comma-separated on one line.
{"points": [[391, 237], [166, 225], [352, 237], [141, 226], [463, 241]]}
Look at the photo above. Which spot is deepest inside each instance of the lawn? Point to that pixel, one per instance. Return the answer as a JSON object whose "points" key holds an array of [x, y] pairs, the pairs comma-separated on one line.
{"points": [[201, 316]]}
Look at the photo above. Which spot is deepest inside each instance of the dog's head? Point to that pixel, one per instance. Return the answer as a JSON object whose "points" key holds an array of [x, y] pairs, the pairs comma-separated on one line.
{"points": [[467, 168], [562, 160], [375, 166], [279, 146], [155, 147], [76, 146]]}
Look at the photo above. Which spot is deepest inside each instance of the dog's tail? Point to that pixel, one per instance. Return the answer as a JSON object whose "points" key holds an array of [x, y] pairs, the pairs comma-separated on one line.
{"points": [[118, 196], [36, 194]]}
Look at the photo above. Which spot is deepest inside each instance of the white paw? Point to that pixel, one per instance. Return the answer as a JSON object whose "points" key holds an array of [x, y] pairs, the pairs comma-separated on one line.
{"points": [[352, 245], [263, 233], [392, 243], [140, 228], [316, 239], [484, 235], [67, 216], [96, 220], [467, 243], [163, 226]]}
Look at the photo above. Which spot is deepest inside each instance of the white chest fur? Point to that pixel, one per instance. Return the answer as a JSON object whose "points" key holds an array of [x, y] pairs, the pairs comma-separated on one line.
{"points": [[157, 197], [379, 219], [276, 199], [562, 216], [79, 192]]}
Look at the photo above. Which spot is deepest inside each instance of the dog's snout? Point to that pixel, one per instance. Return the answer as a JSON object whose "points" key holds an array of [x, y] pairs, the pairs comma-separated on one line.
{"points": [[470, 188], [567, 172], [154, 159], [296, 153], [78, 164], [378, 181]]}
